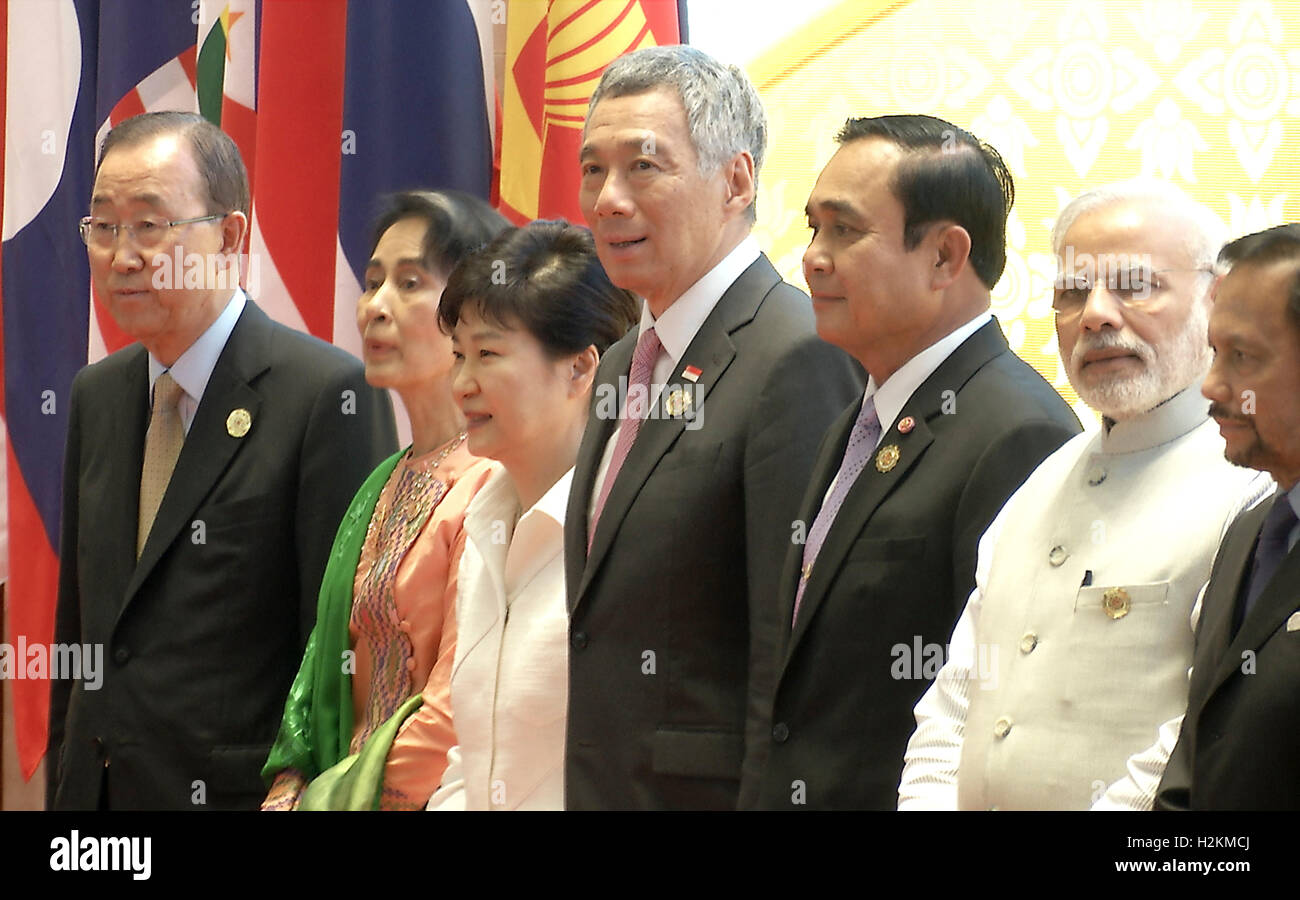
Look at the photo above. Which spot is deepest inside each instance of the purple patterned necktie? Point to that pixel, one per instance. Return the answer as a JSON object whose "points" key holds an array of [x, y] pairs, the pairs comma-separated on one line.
{"points": [[1270, 550], [862, 440], [643, 363]]}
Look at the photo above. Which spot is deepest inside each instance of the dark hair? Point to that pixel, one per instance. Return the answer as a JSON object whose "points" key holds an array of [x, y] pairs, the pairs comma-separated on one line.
{"points": [[946, 173], [1281, 243], [215, 154], [546, 278], [456, 224]]}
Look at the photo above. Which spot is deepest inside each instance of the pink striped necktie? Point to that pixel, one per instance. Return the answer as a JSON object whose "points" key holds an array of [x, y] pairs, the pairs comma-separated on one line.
{"points": [[636, 406], [862, 440]]}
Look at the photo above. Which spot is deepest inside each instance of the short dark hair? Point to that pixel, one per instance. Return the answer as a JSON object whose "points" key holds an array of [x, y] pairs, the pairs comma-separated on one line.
{"points": [[1281, 243], [456, 224], [946, 173], [215, 154], [546, 278]]}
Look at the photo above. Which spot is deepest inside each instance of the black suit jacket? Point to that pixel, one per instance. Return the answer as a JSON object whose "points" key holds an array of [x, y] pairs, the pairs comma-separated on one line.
{"points": [[1239, 747], [202, 636], [677, 602], [897, 566]]}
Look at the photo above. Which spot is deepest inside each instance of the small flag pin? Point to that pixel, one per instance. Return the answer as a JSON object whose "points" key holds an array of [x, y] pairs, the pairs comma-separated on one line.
{"points": [[692, 374]]}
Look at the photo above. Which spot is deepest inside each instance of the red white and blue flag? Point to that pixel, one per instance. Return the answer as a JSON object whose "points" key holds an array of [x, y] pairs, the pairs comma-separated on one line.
{"points": [[332, 103]]}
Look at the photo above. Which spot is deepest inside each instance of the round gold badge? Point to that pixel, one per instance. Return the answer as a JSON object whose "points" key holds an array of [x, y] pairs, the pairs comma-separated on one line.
{"points": [[677, 402], [1115, 602], [238, 423], [887, 458]]}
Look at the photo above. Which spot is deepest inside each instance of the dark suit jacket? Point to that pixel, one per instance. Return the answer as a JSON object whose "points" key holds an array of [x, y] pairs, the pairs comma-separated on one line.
{"points": [[898, 564], [202, 637], [678, 599], [1239, 747]]}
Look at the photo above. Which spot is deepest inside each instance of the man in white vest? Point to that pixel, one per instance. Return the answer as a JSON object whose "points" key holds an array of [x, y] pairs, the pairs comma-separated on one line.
{"points": [[1066, 677]]}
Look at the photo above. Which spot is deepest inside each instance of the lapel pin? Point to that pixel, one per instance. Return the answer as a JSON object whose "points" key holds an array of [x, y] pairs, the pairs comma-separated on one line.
{"points": [[677, 402], [692, 374], [887, 458], [906, 424], [238, 422], [1115, 602]]}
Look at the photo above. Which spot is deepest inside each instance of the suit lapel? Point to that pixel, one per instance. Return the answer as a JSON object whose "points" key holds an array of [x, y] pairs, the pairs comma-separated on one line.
{"points": [[600, 425], [496, 502], [712, 351], [119, 489], [1272, 608], [824, 469], [865, 497], [209, 447], [1214, 630], [874, 486]]}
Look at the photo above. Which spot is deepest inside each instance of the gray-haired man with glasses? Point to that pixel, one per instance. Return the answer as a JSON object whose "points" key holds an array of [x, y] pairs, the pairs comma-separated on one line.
{"points": [[1066, 677], [206, 471]]}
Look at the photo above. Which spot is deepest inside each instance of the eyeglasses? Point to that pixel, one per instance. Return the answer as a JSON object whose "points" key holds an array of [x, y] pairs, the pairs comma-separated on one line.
{"points": [[146, 233], [1135, 289]]}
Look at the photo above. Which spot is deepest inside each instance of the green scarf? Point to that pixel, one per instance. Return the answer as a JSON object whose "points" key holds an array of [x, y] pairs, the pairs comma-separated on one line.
{"points": [[357, 783], [317, 725]]}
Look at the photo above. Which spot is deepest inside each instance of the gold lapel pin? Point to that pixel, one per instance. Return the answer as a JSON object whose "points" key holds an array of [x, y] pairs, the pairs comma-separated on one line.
{"points": [[677, 402], [1116, 603], [887, 458], [238, 422]]}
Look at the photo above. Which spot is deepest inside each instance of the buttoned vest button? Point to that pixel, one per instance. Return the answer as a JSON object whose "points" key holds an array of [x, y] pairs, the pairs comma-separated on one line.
{"points": [[121, 655], [579, 640], [1002, 727], [1028, 642], [780, 732], [1058, 555]]}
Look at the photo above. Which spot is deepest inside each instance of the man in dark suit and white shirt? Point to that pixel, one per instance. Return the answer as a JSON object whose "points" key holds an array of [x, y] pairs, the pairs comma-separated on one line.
{"points": [[680, 511], [206, 471], [1239, 747], [908, 224]]}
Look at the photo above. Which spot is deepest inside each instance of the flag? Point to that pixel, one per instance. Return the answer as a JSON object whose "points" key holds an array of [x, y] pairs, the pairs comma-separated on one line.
{"points": [[555, 54], [331, 103]]}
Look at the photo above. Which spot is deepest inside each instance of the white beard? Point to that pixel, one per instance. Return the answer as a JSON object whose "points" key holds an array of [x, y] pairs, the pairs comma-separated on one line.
{"points": [[1164, 373]]}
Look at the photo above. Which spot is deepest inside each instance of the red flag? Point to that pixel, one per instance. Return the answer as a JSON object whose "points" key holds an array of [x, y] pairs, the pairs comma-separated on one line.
{"points": [[555, 54]]}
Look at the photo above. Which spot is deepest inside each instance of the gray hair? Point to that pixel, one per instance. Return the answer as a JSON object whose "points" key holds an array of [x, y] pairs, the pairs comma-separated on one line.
{"points": [[724, 114], [1204, 232]]}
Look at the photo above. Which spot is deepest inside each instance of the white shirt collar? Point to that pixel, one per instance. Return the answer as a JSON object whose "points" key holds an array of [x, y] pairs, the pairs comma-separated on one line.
{"points": [[681, 321], [899, 387], [498, 500], [553, 502], [194, 367], [532, 543]]}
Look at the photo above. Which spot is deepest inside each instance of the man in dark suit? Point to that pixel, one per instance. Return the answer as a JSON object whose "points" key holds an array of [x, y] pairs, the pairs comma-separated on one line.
{"points": [[206, 470], [1240, 742], [681, 507], [908, 222]]}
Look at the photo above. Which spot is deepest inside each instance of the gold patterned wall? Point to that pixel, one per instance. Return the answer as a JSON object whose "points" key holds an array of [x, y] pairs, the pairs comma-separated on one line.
{"points": [[1072, 94]]}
